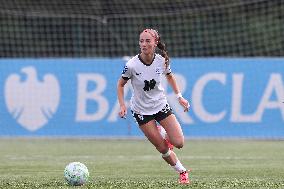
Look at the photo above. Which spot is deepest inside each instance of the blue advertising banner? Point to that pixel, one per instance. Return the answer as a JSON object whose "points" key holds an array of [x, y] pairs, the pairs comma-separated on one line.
{"points": [[229, 97]]}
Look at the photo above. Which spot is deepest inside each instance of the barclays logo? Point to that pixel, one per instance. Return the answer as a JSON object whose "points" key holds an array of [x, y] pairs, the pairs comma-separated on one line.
{"points": [[31, 101], [226, 100]]}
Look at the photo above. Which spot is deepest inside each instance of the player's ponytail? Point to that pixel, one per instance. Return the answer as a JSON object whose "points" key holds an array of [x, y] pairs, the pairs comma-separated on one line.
{"points": [[164, 52]]}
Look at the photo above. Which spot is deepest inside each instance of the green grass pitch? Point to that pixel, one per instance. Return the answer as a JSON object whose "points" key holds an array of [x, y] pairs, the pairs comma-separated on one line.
{"points": [[39, 163]]}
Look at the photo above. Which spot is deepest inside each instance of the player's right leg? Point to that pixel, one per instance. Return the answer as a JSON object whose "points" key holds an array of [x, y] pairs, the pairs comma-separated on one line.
{"points": [[174, 131]]}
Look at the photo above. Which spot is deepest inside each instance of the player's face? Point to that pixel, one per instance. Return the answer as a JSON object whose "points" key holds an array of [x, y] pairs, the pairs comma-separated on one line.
{"points": [[147, 43]]}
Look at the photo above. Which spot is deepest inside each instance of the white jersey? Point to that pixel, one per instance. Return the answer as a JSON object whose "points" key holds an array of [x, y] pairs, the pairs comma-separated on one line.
{"points": [[148, 94]]}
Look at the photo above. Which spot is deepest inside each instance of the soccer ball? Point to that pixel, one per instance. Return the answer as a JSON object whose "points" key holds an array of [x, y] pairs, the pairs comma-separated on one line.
{"points": [[76, 174]]}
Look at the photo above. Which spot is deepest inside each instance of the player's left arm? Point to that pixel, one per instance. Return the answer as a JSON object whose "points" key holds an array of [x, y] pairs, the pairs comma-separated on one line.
{"points": [[182, 101]]}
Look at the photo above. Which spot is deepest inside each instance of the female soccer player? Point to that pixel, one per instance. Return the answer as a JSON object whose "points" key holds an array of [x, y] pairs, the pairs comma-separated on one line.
{"points": [[149, 104]]}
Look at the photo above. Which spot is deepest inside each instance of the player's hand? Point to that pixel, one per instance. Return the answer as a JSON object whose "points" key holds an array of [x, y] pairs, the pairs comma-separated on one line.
{"points": [[184, 103], [123, 111]]}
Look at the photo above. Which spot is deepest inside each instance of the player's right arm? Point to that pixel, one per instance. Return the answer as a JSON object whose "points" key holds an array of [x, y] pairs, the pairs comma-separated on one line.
{"points": [[125, 76], [120, 95]]}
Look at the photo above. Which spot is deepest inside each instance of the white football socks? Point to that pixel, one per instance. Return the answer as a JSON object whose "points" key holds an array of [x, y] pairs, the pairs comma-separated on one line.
{"points": [[179, 167]]}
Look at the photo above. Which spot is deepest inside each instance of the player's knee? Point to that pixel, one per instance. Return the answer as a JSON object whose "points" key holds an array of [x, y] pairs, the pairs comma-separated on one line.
{"points": [[179, 144], [163, 149]]}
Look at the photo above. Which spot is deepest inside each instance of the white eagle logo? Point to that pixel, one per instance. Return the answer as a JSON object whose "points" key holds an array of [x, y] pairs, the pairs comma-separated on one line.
{"points": [[32, 102]]}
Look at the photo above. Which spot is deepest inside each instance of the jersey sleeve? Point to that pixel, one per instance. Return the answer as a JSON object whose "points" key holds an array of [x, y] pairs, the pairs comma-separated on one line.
{"points": [[126, 72], [168, 70]]}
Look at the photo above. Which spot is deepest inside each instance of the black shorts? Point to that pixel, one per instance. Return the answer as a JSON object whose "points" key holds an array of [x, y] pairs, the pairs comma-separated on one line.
{"points": [[142, 119]]}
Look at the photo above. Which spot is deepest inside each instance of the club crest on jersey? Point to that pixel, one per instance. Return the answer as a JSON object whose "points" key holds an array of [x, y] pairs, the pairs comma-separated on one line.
{"points": [[158, 71]]}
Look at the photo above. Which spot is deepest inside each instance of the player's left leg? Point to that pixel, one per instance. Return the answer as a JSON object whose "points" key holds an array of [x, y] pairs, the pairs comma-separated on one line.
{"points": [[173, 129], [175, 134], [150, 130]]}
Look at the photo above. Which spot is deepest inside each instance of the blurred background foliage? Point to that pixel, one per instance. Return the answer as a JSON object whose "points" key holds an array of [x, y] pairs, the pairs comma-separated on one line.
{"points": [[190, 28]]}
